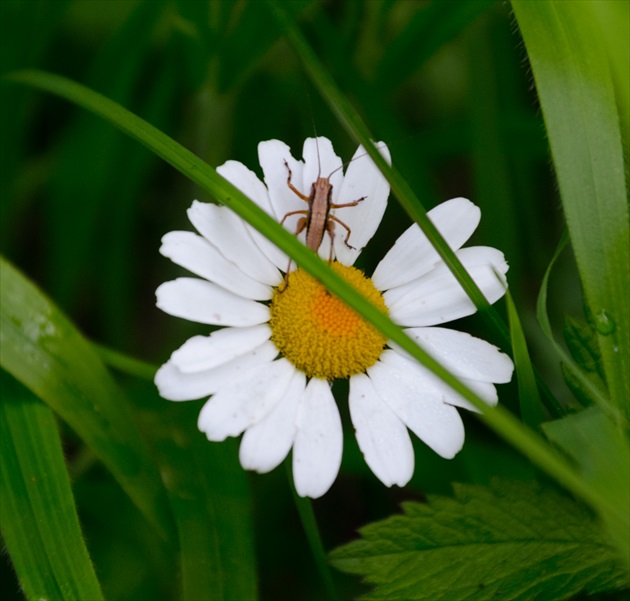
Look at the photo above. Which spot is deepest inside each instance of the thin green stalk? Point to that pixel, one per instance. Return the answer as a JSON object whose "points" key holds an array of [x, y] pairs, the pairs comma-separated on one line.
{"points": [[309, 523]]}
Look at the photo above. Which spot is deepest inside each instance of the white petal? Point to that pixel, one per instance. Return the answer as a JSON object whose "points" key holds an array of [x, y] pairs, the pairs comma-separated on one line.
{"points": [[464, 355], [437, 424], [413, 255], [428, 381], [320, 160], [272, 155], [244, 402], [382, 437], [318, 442], [248, 183], [206, 352], [227, 231], [176, 385], [199, 256], [437, 297], [267, 443], [362, 180], [204, 302]]}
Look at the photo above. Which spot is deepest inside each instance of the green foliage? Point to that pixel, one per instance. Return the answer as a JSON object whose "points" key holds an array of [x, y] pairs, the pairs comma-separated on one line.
{"points": [[45, 352], [39, 520], [511, 540]]}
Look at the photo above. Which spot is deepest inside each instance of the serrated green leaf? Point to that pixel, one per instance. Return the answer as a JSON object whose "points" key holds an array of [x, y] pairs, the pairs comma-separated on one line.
{"points": [[511, 540], [581, 340], [38, 516], [42, 349]]}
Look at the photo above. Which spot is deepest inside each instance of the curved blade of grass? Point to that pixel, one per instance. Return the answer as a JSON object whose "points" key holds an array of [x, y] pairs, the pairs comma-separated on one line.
{"points": [[532, 410], [43, 350], [37, 512], [572, 71], [598, 396], [502, 422]]}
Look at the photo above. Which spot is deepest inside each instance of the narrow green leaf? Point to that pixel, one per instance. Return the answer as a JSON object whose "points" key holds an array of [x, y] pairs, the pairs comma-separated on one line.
{"points": [[573, 74], [37, 513], [44, 351], [511, 540], [602, 452], [532, 410], [590, 388]]}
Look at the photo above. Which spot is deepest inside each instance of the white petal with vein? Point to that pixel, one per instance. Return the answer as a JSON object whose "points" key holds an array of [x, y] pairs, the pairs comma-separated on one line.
{"points": [[226, 230], [362, 180], [205, 352], [248, 183], [199, 256], [422, 410], [244, 402], [204, 302], [267, 443], [318, 442], [176, 385], [437, 296], [413, 255], [382, 436]]}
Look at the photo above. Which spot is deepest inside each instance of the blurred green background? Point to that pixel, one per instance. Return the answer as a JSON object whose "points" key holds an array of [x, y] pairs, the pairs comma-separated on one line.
{"points": [[445, 84]]}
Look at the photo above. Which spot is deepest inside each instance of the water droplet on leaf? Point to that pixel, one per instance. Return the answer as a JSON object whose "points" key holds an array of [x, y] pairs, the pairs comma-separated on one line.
{"points": [[604, 323]]}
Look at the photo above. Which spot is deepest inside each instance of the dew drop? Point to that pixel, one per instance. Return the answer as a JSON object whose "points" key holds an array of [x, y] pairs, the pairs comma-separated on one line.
{"points": [[604, 323]]}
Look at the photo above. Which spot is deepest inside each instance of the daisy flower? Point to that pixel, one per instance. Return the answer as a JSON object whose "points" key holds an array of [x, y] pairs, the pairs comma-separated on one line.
{"points": [[283, 339]]}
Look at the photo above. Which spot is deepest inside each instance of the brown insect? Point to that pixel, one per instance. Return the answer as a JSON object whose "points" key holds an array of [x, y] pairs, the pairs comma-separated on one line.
{"points": [[317, 219]]}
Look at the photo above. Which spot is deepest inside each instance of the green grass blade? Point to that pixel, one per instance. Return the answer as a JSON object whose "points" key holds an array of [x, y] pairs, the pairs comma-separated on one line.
{"points": [[37, 512], [44, 351], [199, 172], [532, 410], [573, 74]]}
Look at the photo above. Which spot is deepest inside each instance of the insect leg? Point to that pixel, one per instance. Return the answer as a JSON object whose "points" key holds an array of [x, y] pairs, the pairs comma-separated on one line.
{"points": [[354, 203], [348, 230], [292, 187]]}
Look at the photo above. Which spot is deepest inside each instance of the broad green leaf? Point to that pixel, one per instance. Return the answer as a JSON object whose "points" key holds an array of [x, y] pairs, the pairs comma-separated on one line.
{"points": [[573, 71], [44, 351], [38, 517], [532, 410], [511, 540], [602, 453]]}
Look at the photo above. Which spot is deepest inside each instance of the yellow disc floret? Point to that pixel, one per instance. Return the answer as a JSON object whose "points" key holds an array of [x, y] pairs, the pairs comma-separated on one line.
{"points": [[317, 332]]}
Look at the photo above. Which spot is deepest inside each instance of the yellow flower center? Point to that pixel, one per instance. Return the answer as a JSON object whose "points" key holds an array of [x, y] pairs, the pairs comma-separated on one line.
{"points": [[321, 335]]}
